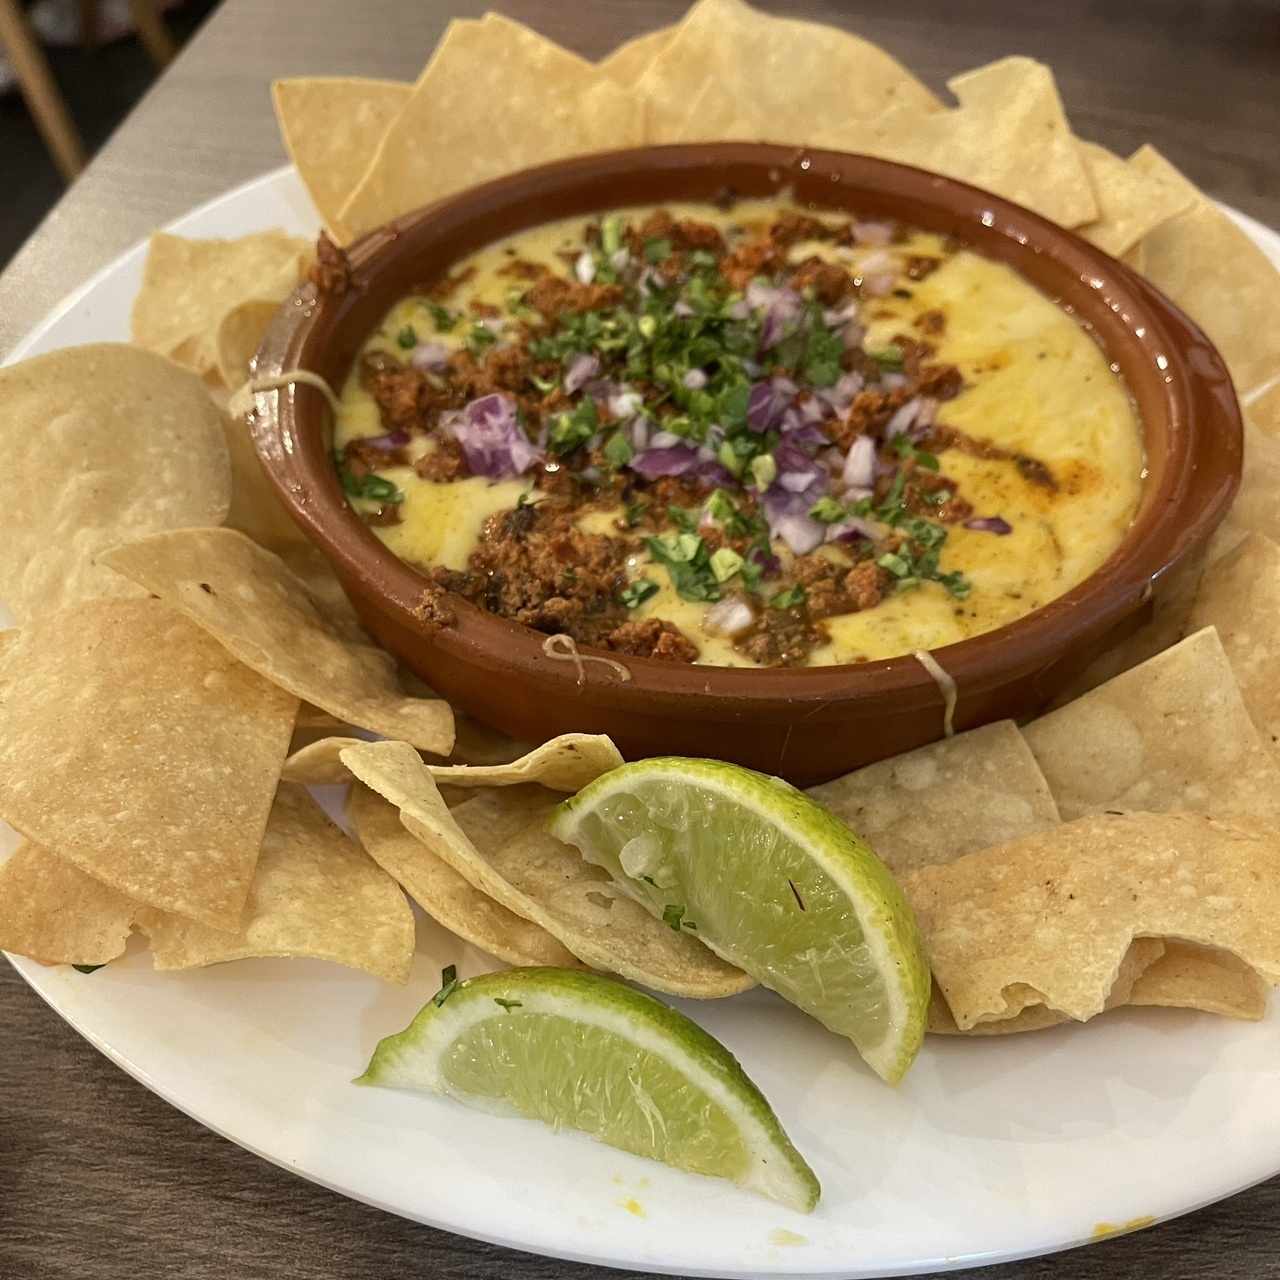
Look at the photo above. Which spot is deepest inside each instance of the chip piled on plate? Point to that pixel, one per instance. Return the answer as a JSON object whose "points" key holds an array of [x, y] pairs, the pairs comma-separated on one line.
{"points": [[184, 666]]}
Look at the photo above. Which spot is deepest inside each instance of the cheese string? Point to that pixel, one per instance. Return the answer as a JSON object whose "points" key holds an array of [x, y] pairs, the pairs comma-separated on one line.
{"points": [[565, 649], [945, 683], [242, 401]]}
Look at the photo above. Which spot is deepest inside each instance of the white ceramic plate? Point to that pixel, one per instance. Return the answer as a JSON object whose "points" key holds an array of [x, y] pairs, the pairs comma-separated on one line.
{"points": [[992, 1149]]}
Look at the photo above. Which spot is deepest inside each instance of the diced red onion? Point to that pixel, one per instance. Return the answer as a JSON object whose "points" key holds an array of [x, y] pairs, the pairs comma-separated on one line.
{"points": [[619, 259], [492, 439], [768, 564], [712, 473], [429, 356], [673, 460], [807, 433], [738, 310], [787, 512], [585, 267], [903, 419], [695, 379], [387, 443], [853, 335], [639, 432], [851, 530], [801, 533], [835, 317], [879, 273], [580, 371], [859, 464], [990, 524], [764, 406], [729, 617], [813, 410], [665, 439], [782, 309], [840, 397], [873, 232], [893, 381], [625, 402], [682, 308]]}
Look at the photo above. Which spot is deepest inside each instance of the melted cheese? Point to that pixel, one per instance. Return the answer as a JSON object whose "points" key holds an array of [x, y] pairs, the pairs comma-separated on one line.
{"points": [[1036, 382]]}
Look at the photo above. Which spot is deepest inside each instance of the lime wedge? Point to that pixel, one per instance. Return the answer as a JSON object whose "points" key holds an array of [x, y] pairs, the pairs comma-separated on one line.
{"points": [[578, 1050], [771, 881]]}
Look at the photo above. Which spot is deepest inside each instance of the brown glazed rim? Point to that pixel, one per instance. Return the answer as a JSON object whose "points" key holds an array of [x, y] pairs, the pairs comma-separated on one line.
{"points": [[1189, 412]]}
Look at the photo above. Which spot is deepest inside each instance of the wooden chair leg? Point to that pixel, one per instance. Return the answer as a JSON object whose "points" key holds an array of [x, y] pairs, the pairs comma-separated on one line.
{"points": [[41, 93], [152, 31]]}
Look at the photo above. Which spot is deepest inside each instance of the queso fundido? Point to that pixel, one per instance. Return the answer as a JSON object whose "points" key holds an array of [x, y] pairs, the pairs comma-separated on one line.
{"points": [[741, 435]]}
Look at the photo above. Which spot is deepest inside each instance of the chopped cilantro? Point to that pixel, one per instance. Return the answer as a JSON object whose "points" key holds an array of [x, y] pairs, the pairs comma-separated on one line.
{"points": [[890, 359], [683, 518], [794, 595], [907, 451], [822, 354], [480, 338], [633, 513], [442, 317], [87, 968], [375, 488], [508, 1005], [634, 594], [827, 510], [657, 249], [725, 563], [688, 563], [764, 470], [897, 565], [618, 451], [611, 233], [572, 429], [545, 385], [407, 337], [448, 985]]}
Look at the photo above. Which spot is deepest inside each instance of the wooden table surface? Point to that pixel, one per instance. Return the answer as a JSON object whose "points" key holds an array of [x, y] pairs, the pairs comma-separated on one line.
{"points": [[99, 1179]]}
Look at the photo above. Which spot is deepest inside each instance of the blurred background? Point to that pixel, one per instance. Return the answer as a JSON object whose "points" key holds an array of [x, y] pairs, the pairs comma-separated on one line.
{"points": [[70, 71]]}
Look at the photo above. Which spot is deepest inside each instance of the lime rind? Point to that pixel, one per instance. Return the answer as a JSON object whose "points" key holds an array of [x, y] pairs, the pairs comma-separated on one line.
{"points": [[628, 1021], [887, 925]]}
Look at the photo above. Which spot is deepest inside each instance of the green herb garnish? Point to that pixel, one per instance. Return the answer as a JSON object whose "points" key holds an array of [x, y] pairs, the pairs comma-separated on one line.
{"points": [[673, 917], [688, 563], [633, 513], [448, 985], [657, 249], [683, 518], [618, 451], [794, 595], [407, 337], [480, 338], [374, 488], [827, 510], [634, 594], [508, 1005], [890, 359], [442, 317], [571, 430], [88, 968]]}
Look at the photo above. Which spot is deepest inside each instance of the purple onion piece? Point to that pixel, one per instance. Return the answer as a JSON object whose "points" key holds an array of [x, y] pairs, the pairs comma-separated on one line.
{"points": [[903, 419], [807, 433], [860, 464], [387, 443], [580, 370], [695, 379], [585, 267], [878, 233], [990, 524], [682, 309], [763, 407], [492, 439], [673, 460], [768, 564]]}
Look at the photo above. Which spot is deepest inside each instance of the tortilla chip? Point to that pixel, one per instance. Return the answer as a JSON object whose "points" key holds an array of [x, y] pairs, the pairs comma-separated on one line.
{"points": [[553, 104], [443, 894], [309, 566], [1167, 622], [1240, 599], [249, 601], [238, 337], [331, 126], [315, 895], [1171, 735], [1055, 913], [1257, 505], [945, 799], [53, 912], [1188, 976], [1009, 135], [1216, 273], [189, 286], [101, 443], [771, 77], [1142, 956], [256, 509], [498, 842], [1130, 203], [477, 743], [566, 763], [629, 61], [142, 752]]}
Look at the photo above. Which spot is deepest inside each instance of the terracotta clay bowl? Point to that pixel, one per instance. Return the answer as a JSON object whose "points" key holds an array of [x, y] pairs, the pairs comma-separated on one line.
{"points": [[806, 724]]}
